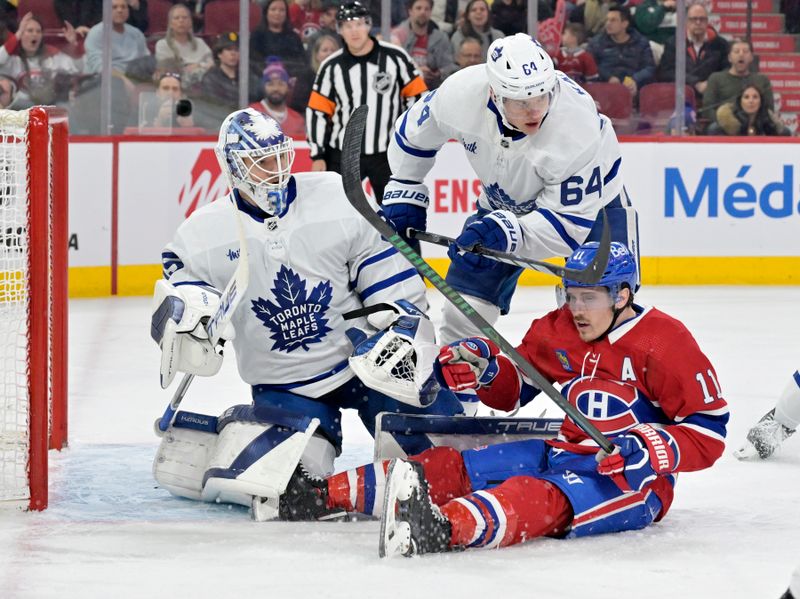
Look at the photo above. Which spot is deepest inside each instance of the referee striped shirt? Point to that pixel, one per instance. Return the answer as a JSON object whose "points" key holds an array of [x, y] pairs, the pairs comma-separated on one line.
{"points": [[386, 80]]}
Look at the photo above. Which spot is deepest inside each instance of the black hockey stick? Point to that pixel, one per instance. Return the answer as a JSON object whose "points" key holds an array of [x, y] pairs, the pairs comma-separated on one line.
{"points": [[351, 175], [591, 274]]}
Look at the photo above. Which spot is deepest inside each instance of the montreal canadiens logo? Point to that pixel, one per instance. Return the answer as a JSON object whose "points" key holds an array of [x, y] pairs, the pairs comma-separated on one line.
{"points": [[608, 404], [204, 184]]}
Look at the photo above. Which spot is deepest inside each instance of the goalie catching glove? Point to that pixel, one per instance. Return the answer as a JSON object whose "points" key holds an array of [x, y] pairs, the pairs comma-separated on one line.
{"points": [[179, 327], [398, 360]]}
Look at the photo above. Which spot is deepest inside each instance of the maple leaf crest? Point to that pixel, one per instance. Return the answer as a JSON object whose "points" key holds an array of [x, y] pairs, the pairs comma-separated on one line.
{"points": [[295, 319], [499, 200], [264, 129]]}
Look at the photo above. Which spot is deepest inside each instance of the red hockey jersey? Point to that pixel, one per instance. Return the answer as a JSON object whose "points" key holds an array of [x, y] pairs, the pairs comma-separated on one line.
{"points": [[648, 369]]}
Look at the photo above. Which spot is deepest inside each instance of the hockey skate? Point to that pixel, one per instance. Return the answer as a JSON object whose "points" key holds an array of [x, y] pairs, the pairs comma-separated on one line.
{"points": [[306, 498], [764, 438], [411, 524]]}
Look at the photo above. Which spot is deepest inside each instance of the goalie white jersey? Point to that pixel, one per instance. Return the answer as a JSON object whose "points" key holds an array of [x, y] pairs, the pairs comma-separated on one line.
{"points": [[307, 268], [555, 181]]}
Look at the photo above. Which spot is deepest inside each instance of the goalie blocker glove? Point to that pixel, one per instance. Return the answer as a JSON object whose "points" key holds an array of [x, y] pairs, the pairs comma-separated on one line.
{"points": [[641, 455], [405, 205], [498, 230], [178, 325]]}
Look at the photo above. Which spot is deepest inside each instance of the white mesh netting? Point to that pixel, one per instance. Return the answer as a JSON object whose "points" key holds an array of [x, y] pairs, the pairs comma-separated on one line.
{"points": [[14, 364]]}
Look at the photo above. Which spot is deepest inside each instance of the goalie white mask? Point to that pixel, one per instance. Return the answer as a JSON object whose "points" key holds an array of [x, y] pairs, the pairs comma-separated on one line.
{"points": [[257, 158], [398, 360]]}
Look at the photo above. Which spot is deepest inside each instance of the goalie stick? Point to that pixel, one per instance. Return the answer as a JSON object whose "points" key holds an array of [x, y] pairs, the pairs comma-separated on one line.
{"points": [[351, 175], [591, 274], [228, 302]]}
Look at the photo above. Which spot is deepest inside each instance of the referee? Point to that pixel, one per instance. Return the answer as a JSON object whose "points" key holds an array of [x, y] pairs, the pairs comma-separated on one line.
{"points": [[364, 71]]}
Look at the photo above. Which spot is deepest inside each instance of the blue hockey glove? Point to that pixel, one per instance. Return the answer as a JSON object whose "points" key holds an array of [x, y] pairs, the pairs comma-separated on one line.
{"points": [[467, 364], [640, 456], [498, 230], [405, 204]]}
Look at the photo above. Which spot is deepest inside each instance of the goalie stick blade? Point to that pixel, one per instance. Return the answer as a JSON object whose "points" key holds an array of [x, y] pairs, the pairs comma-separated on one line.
{"points": [[351, 177], [591, 274]]}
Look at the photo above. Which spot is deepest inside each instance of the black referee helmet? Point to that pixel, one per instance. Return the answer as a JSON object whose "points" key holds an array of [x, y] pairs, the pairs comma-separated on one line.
{"points": [[350, 11]]}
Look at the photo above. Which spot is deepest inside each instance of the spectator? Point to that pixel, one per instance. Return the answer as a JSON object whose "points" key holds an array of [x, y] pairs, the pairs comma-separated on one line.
{"points": [[220, 85], [327, 22], [8, 91], [572, 59], [724, 86], [162, 109], [592, 15], [747, 115], [276, 86], [428, 47], [446, 13], [127, 42], [138, 15], [43, 74], [791, 10], [275, 37], [83, 14], [477, 23], [706, 52], [511, 16], [656, 19], [304, 16], [181, 45], [470, 52], [324, 45], [622, 55]]}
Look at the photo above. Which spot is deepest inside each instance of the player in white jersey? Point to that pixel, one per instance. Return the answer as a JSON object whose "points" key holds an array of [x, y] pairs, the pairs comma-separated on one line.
{"points": [[547, 161], [775, 426], [312, 260]]}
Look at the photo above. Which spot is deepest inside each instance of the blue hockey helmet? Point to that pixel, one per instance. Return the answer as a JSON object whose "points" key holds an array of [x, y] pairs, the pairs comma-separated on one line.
{"points": [[256, 157], [620, 271]]}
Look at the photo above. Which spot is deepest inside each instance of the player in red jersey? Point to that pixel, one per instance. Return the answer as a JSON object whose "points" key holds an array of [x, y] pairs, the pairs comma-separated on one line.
{"points": [[636, 373]]}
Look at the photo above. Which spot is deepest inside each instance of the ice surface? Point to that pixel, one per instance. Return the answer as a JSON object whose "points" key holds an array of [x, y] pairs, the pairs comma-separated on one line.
{"points": [[732, 532]]}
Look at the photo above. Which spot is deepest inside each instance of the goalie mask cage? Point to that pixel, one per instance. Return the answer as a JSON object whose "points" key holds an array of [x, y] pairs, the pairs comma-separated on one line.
{"points": [[33, 300]]}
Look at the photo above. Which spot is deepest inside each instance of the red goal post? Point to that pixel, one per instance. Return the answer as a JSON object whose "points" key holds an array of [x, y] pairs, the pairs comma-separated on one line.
{"points": [[33, 300]]}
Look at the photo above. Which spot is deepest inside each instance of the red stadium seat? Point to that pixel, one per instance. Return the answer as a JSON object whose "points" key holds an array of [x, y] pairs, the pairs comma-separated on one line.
{"points": [[657, 105], [157, 11], [616, 102], [43, 9], [223, 15]]}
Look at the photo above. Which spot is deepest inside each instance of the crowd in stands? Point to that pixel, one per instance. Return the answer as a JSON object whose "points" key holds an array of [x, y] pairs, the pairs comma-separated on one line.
{"points": [[165, 52]]}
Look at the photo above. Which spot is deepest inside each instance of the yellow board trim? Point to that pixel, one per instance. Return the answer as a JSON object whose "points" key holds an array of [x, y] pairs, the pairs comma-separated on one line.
{"points": [[89, 281], [138, 279]]}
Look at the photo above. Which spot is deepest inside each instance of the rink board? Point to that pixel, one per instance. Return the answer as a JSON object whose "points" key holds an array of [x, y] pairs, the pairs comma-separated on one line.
{"points": [[710, 212]]}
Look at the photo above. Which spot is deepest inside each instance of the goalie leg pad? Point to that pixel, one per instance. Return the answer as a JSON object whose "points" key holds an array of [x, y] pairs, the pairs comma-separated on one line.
{"points": [[253, 459], [181, 460]]}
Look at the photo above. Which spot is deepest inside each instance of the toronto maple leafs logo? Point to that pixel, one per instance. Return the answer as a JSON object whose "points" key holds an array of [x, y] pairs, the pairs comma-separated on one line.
{"points": [[263, 129], [499, 200], [295, 319], [497, 53]]}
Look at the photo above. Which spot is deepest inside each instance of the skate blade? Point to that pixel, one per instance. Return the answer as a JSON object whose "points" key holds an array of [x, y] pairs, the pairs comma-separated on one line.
{"points": [[395, 537]]}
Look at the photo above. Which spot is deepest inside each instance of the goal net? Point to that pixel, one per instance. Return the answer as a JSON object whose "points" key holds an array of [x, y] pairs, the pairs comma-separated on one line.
{"points": [[33, 296]]}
